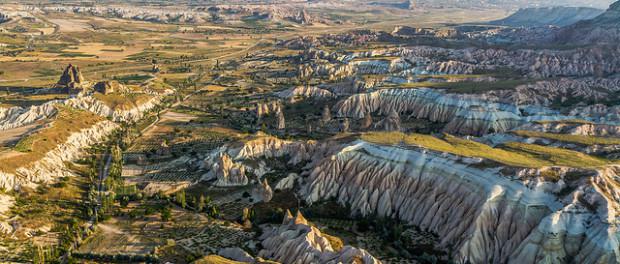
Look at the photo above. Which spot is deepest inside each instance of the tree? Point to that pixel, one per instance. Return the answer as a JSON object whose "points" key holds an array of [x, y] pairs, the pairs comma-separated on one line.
{"points": [[201, 203], [180, 198], [166, 214]]}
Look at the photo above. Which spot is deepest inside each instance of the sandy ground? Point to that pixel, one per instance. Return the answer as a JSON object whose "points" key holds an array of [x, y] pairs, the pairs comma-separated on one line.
{"points": [[9, 137], [71, 25]]}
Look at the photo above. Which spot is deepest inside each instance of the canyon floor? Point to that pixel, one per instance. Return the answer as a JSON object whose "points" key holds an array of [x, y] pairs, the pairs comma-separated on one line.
{"points": [[308, 132]]}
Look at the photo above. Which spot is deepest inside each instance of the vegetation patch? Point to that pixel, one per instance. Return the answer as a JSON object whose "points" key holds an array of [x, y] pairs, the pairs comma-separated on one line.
{"points": [[511, 154], [578, 139], [34, 147], [123, 101]]}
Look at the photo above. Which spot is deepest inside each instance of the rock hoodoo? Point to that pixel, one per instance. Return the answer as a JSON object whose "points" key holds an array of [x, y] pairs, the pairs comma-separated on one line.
{"points": [[297, 241], [71, 77]]}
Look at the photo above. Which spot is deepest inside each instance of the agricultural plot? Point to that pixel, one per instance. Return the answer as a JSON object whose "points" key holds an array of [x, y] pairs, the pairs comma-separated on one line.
{"points": [[214, 237]]}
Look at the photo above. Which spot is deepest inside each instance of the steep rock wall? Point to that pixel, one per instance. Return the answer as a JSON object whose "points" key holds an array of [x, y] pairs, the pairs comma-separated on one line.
{"points": [[52, 166], [484, 216]]}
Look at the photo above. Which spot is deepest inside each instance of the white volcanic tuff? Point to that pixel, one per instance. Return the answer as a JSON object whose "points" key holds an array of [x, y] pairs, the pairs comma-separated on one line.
{"points": [[450, 67], [380, 66], [389, 123], [599, 112], [477, 120], [486, 217], [226, 164], [267, 108], [227, 172], [547, 92], [93, 105], [324, 68], [52, 166], [18, 116], [437, 107], [583, 129], [294, 93], [296, 241], [536, 64]]}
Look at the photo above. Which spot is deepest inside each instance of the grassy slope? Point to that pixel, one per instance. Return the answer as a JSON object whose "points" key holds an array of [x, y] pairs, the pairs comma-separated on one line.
{"points": [[511, 154], [34, 147], [122, 101], [578, 139]]}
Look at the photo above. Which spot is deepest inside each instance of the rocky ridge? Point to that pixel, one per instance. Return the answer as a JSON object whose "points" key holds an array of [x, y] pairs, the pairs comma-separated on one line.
{"points": [[52, 166], [297, 241], [505, 222]]}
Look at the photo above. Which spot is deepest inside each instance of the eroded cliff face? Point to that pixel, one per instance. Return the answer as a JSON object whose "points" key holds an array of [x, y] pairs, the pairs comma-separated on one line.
{"points": [[296, 241], [467, 114], [229, 164], [17, 116], [561, 91], [52, 165], [482, 214], [91, 104], [296, 93]]}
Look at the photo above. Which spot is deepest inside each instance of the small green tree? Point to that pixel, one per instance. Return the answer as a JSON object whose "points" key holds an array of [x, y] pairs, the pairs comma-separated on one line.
{"points": [[201, 203], [166, 214]]}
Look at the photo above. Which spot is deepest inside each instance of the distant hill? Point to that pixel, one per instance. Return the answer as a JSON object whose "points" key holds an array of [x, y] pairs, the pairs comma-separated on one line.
{"points": [[544, 16], [603, 29]]}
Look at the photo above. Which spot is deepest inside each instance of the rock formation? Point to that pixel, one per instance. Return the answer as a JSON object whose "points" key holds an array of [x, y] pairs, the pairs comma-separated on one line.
{"points": [[345, 126], [71, 78], [236, 254], [556, 16], [297, 241], [326, 115], [390, 122], [602, 29], [262, 192], [506, 221], [228, 173], [281, 121], [437, 107], [108, 87], [296, 93], [287, 182], [366, 121], [52, 165], [263, 109], [17, 116]]}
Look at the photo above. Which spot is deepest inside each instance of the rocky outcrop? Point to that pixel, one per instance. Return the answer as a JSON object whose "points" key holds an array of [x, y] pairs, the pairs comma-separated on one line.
{"points": [[390, 122], [227, 173], [71, 77], [288, 182], [324, 68], [91, 104], [17, 116], [575, 128], [481, 214], [297, 241], [236, 254], [52, 165], [297, 93], [603, 29], [263, 109], [108, 87], [229, 164], [466, 113], [544, 16], [562, 91], [281, 125], [478, 120], [262, 192]]}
